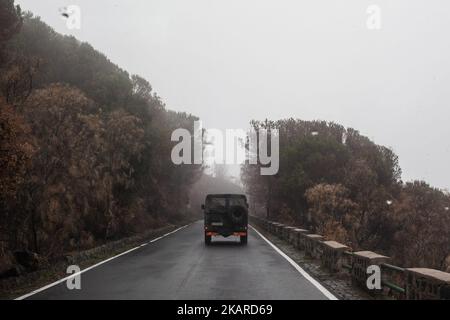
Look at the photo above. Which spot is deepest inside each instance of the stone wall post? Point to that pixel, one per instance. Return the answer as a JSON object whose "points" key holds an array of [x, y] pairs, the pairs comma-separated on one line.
{"points": [[312, 245], [287, 233], [427, 284], [361, 260], [332, 255], [295, 237]]}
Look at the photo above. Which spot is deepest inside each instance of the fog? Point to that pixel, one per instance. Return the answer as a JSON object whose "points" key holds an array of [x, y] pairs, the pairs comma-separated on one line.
{"points": [[232, 61]]}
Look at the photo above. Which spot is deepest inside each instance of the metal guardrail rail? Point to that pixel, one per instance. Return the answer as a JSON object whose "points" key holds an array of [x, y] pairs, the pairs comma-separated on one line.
{"points": [[392, 267], [389, 284]]}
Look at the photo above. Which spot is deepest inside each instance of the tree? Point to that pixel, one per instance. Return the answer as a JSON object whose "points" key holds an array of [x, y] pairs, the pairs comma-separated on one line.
{"points": [[123, 144], [141, 88], [66, 154], [87, 147], [16, 153], [341, 184], [422, 236], [10, 25], [10, 20], [332, 212]]}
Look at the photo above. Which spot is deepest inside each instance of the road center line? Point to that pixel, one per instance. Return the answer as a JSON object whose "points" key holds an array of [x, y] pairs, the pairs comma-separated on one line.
{"points": [[97, 264], [321, 288]]}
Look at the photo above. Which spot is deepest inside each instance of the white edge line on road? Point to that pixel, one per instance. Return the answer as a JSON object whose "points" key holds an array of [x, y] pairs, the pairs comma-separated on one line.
{"points": [[97, 264], [321, 288]]}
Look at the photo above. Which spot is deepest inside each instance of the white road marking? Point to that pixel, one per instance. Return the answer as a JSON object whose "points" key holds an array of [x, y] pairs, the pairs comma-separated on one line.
{"points": [[96, 265], [321, 288]]}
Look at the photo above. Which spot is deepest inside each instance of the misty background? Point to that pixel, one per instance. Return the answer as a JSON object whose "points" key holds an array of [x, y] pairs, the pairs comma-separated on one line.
{"points": [[232, 61]]}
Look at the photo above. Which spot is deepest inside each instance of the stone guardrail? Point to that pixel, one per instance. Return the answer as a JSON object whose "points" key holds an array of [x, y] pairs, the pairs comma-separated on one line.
{"points": [[396, 282]]}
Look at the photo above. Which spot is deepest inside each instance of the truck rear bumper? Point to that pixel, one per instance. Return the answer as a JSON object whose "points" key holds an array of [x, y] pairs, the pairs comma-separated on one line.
{"points": [[238, 234]]}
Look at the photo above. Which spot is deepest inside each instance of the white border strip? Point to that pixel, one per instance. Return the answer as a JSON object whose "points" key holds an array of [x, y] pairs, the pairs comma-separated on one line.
{"points": [[96, 265], [321, 288]]}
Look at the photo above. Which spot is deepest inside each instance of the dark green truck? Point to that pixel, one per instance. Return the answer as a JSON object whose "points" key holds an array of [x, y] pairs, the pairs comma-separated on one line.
{"points": [[226, 215]]}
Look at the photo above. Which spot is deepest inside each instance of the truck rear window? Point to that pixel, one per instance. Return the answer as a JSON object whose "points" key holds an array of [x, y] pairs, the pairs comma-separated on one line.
{"points": [[215, 203]]}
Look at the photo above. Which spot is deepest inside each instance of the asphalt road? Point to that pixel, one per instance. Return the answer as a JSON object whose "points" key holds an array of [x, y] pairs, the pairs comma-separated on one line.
{"points": [[180, 266]]}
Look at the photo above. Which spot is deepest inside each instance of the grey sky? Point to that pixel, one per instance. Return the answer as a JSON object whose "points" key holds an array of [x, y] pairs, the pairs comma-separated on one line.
{"points": [[229, 61]]}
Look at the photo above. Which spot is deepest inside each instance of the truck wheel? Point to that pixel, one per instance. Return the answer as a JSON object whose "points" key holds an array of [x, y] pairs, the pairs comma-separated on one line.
{"points": [[243, 239], [207, 240]]}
